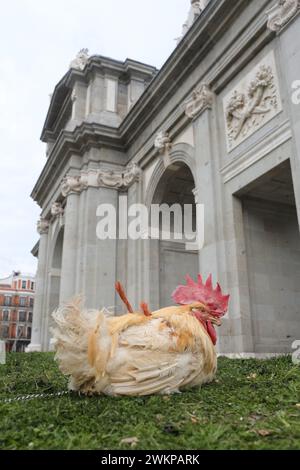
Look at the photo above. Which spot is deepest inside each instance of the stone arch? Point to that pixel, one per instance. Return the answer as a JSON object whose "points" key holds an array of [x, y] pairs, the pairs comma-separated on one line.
{"points": [[170, 260], [180, 153], [54, 278], [57, 250]]}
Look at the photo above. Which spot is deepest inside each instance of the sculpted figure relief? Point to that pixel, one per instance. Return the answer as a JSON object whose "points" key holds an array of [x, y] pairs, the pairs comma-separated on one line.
{"points": [[163, 142], [80, 60], [252, 104]]}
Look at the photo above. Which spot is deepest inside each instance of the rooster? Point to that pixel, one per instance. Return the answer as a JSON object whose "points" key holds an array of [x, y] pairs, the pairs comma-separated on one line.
{"points": [[142, 353]]}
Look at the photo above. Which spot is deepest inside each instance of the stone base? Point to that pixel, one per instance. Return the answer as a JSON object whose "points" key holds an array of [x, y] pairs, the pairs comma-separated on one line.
{"points": [[252, 355], [33, 348]]}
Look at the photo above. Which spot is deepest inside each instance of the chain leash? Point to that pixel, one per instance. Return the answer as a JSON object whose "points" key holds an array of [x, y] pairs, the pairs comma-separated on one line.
{"points": [[34, 397]]}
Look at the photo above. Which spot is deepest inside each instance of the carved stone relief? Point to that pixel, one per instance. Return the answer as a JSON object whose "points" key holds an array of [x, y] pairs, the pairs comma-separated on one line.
{"points": [[252, 103], [163, 142], [80, 60], [201, 99], [279, 15]]}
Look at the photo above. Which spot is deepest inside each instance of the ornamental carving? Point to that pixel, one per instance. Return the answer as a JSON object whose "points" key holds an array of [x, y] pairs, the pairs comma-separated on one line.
{"points": [[110, 179], [73, 184], [131, 175], [57, 209], [119, 179], [163, 142], [253, 103], [195, 11], [43, 226], [113, 179], [201, 99], [80, 60], [279, 15]]}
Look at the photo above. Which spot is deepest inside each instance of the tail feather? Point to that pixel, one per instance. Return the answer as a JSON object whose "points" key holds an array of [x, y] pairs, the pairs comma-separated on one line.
{"points": [[83, 346]]}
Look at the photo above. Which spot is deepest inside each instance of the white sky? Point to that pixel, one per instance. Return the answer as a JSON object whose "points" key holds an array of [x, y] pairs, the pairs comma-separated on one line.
{"points": [[39, 38]]}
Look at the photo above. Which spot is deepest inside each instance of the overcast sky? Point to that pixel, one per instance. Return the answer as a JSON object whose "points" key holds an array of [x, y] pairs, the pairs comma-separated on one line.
{"points": [[38, 41]]}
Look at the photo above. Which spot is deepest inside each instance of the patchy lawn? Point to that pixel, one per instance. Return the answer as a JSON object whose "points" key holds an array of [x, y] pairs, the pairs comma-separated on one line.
{"points": [[252, 405]]}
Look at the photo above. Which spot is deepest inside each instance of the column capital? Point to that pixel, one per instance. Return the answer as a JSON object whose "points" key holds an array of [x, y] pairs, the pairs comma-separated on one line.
{"points": [[73, 185], [57, 209], [120, 179], [43, 226], [201, 99], [281, 13]]}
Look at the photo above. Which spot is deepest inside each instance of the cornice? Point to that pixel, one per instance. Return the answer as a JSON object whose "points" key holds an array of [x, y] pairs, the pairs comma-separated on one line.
{"points": [[76, 142], [92, 64]]}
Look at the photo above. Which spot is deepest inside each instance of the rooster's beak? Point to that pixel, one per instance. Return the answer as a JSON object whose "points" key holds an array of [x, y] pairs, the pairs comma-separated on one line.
{"points": [[207, 316], [215, 321]]}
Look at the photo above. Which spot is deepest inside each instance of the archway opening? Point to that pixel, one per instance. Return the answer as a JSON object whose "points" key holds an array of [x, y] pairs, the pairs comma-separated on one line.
{"points": [[273, 259], [172, 258], [55, 274]]}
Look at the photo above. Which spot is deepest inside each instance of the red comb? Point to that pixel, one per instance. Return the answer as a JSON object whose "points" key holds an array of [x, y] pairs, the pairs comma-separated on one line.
{"points": [[202, 293]]}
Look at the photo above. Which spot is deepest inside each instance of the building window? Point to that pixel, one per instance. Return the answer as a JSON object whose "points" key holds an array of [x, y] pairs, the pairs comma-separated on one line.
{"points": [[22, 316], [32, 286], [22, 302], [29, 333], [23, 284], [5, 315], [21, 331], [31, 302], [4, 331], [30, 317], [7, 301]]}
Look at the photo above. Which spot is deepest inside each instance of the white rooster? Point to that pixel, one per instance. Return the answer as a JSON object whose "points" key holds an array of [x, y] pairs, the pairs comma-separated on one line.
{"points": [[142, 353]]}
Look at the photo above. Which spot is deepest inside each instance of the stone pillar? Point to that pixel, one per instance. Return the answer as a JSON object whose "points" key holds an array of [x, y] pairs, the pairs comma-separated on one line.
{"points": [[40, 286], [220, 255], [199, 109], [95, 96], [71, 189], [99, 257], [135, 255], [100, 260], [289, 53], [79, 96]]}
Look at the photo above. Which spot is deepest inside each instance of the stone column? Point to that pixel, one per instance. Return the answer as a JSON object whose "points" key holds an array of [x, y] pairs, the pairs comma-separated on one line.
{"points": [[134, 255], [289, 54], [98, 266], [71, 189], [220, 253], [101, 259], [199, 109], [40, 286]]}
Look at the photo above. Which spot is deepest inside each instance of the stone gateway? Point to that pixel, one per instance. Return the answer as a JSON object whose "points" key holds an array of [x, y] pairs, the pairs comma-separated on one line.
{"points": [[216, 126]]}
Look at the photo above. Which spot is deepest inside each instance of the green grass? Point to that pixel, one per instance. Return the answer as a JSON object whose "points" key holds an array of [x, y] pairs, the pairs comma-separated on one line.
{"points": [[252, 405]]}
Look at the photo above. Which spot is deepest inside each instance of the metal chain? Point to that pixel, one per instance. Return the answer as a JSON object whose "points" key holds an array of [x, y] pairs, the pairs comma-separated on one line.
{"points": [[34, 397]]}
